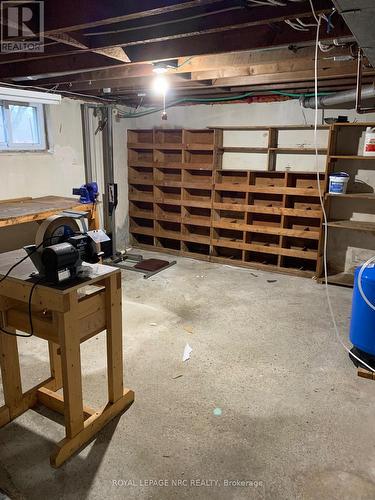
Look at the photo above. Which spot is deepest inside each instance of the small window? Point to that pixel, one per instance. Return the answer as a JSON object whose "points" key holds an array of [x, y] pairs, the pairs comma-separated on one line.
{"points": [[22, 127]]}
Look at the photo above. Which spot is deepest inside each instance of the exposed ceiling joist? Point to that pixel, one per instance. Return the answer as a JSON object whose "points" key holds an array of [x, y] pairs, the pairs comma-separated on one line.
{"points": [[117, 53], [215, 23], [263, 36], [67, 16]]}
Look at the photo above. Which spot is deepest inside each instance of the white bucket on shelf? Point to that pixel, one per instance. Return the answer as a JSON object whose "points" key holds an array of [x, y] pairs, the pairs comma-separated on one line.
{"points": [[338, 182], [369, 149]]}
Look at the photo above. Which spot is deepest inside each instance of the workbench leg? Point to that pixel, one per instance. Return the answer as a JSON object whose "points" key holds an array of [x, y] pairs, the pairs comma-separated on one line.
{"points": [[55, 364], [114, 338], [71, 373], [11, 374]]}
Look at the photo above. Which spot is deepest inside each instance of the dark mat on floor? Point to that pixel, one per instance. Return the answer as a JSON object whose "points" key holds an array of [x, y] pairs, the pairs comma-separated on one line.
{"points": [[151, 264]]}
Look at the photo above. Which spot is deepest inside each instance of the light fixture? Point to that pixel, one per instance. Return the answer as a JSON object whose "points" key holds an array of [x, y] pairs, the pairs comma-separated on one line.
{"points": [[20, 95], [161, 67], [160, 85], [159, 70]]}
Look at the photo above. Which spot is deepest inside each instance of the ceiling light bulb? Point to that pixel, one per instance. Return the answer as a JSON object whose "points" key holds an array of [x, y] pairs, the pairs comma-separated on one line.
{"points": [[159, 70], [160, 85]]}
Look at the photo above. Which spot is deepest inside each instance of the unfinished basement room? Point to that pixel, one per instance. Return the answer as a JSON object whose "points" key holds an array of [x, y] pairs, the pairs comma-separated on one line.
{"points": [[187, 250]]}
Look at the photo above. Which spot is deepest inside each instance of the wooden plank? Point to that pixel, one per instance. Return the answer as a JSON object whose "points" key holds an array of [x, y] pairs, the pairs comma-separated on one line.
{"points": [[55, 364], [10, 371], [94, 14], [348, 157], [233, 149], [69, 340], [4, 416], [342, 279], [263, 229], [114, 338], [266, 127], [30, 210], [229, 186], [18, 318], [364, 373], [354, 225], [358, 196], [288, 252], [55, 402], [195, 238], [68, 446]]}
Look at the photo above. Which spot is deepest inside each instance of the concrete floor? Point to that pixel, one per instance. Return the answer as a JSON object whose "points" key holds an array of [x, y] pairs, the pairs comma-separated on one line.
{"points": [[295, 419]]}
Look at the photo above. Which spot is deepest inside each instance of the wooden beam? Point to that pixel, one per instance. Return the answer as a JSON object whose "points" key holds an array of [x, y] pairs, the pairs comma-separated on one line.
{"points": [[80, 61], [68, 40], [215, 23], [259, 37], [283, 66], [68, 16], [117, 53], [229, 41], [193, 65]]}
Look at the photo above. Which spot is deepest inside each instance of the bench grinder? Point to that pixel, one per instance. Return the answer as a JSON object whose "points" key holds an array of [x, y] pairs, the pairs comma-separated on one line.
{"points": [[61, 247]]}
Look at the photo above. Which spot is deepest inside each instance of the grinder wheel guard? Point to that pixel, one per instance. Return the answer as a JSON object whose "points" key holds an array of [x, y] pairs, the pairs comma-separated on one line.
{"points": [[56, 229]]}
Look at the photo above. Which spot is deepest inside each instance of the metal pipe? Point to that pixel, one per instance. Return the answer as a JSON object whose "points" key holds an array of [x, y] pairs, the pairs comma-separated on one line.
{"points": [[86, 142], [360, 92], [347, 97]]}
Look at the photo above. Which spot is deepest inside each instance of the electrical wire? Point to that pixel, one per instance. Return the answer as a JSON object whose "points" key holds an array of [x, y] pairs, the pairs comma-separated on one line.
{"points": [[207, 100], [325, 218], [32, 288], [27, 335]]}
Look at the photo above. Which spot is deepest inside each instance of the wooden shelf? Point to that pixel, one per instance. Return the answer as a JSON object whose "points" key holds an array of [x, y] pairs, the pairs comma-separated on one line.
{"points": [[344, 143], [358, 196], [309, 151], [140, 145], [169, 146], [348, 157], [259, 219], [243, 150], [353, 224], [267, 127], [342, 279]]}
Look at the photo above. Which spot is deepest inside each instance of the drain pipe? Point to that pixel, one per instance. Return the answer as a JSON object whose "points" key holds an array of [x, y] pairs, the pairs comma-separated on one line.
{"points": [[345, 97]]}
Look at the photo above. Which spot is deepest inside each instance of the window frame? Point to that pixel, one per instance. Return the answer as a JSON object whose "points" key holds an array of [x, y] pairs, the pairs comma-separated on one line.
{"points": [[9, 146]]}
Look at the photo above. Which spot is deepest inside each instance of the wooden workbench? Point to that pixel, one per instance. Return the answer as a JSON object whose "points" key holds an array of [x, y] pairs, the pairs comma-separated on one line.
{"points": [[64, 317], [23, 210]]}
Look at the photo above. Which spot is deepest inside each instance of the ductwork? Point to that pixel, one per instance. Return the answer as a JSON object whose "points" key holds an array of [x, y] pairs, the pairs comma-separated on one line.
{"points": [[339, 100]]}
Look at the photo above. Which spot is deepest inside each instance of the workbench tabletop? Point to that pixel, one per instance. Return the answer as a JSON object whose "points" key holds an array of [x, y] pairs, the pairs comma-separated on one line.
{"points": [[32, 209]]}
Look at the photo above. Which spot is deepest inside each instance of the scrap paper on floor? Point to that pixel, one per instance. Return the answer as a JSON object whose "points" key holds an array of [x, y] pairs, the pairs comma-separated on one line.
{"points": [[187, 351]]}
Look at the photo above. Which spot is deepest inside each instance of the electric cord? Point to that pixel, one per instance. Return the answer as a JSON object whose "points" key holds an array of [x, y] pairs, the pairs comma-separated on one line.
{"points": [[325, 218], [32, 288], [27, 335]]}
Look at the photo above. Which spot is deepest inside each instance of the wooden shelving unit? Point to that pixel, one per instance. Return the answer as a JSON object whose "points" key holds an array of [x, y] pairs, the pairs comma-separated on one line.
{"points": [[272, 149], [170, 193], [267, 219], [344, 154], [183, 203]]}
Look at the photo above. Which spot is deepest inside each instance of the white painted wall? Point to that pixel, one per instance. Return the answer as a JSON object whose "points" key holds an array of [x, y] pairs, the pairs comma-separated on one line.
{"points": [[54, 172], [276, 113]]}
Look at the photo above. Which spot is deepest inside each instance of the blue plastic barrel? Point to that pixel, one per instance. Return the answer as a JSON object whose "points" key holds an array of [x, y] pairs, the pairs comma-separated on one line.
{"points": [[362, 327]]}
